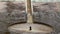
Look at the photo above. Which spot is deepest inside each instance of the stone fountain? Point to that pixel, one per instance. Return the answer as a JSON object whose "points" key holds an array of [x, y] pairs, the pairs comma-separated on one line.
{"points": [[29, 27]]}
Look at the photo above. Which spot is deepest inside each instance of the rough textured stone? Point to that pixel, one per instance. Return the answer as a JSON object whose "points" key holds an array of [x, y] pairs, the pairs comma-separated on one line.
{"points": [[44, 13]]}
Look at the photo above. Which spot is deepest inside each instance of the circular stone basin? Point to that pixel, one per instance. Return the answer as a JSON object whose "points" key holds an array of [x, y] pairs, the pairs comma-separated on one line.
{"points": [[32, 28]]}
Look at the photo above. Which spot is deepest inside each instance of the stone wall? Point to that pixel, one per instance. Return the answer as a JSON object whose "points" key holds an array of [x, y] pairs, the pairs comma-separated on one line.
{"points": [[43, 12]]}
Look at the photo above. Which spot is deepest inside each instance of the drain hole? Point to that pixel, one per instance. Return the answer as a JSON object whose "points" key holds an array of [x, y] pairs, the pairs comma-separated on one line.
{"points": [[30, 28]]}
